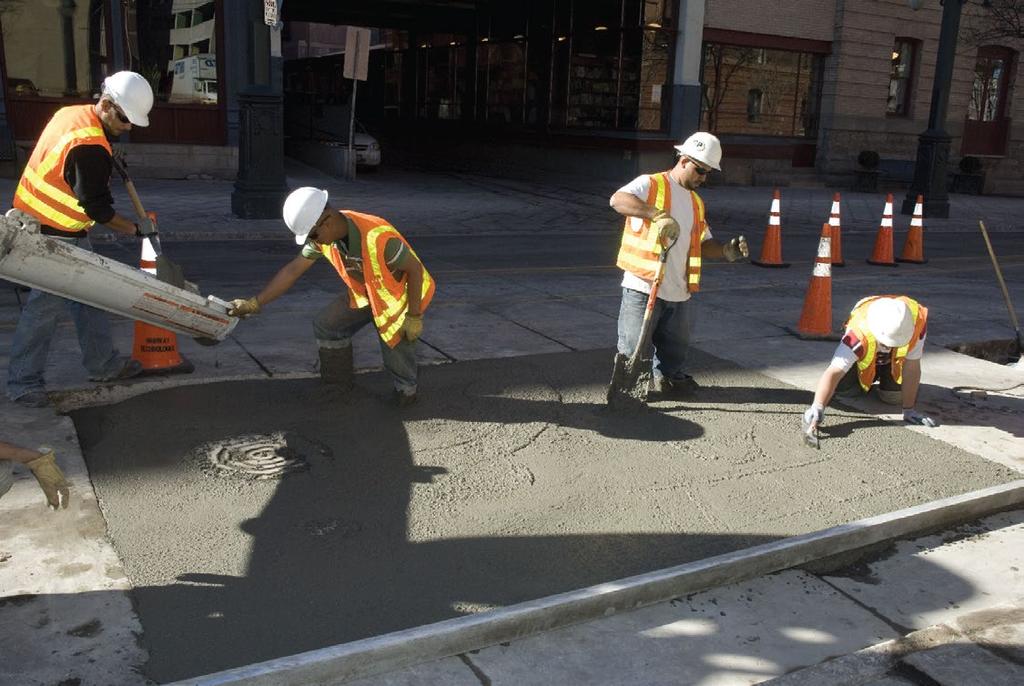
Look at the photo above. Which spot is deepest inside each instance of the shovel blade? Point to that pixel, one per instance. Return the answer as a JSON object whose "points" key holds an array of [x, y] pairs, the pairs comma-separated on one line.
{"points": [[170, 272], [631, 380]]}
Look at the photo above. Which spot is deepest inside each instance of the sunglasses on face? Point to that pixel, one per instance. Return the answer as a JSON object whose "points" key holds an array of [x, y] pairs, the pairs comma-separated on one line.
{"points": [[699, 169], [313, 232], [121, 116]]}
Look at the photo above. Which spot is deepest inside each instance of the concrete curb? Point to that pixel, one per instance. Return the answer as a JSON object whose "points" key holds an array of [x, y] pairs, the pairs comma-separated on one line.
{"points": [[389, 652]]}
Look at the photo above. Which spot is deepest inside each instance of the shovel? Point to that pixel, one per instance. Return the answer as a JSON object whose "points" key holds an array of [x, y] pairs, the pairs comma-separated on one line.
{"points": [[1006, 293], [631, 377], [166, 271]]}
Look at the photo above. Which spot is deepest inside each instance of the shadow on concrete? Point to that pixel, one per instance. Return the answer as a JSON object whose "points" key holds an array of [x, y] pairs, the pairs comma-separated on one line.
{"points": [[958, 407]]}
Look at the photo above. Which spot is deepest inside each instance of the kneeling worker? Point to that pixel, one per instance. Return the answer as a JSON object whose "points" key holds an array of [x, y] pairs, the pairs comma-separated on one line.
{"points": [[387, 284], [884, 340]]}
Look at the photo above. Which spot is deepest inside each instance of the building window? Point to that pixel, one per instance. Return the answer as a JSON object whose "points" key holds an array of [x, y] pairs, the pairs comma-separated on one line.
{"points": [[57, 49], [760, 91], [901, 77], [173, 44], [754, 102]]}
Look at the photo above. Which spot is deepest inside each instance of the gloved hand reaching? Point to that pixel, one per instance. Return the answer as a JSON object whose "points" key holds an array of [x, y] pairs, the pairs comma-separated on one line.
{"points": [[812, 417], [244, 308], [666, 227], [412, 327], [912, 416], [736, 249], [51, 480], [144, 228]]}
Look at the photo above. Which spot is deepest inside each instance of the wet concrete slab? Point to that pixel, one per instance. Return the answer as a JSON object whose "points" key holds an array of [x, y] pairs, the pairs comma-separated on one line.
{"points": [[510, 480]]}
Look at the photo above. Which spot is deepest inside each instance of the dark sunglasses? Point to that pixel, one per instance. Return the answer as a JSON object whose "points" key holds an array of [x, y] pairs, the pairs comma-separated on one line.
{"points": [[313, 231], [121, 116], [699, 169]]}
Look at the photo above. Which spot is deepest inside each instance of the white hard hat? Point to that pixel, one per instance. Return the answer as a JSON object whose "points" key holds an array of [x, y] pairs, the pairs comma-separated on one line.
{"points": [[703, 148], [890, 322], [132, 93], [302, 209]]}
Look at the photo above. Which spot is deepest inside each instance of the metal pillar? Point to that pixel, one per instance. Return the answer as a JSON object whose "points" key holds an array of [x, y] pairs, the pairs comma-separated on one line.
{"points": [[260, 188], [67, 15], [689, 48], [933, 145]]}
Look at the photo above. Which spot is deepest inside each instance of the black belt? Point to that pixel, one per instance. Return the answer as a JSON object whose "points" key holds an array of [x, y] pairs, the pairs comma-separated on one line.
{"points": [[50, 231]]}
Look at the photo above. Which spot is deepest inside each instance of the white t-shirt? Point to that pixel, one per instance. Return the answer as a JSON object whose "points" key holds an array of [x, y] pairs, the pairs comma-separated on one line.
{"points": [[673, 286], [851, 349]]}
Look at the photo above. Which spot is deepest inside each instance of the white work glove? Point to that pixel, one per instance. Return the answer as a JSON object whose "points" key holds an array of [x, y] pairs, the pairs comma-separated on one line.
{"points": [[666, 227], [912, 416], [812, 418], [736, 249]]}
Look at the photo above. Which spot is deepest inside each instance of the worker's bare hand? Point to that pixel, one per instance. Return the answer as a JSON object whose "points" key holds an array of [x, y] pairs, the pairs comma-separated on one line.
{"points": [[412, 327], [244, 308], [51, 480], [736, 249], [665, 227]]}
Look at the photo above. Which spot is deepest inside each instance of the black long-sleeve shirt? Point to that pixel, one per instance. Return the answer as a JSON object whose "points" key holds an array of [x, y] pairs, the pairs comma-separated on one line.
{"points": [[87, 170]]}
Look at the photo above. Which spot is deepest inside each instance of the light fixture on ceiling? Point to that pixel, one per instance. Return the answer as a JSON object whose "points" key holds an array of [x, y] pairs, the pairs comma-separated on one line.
{"points": [[895, 55], [600, 27], [562, 38]]}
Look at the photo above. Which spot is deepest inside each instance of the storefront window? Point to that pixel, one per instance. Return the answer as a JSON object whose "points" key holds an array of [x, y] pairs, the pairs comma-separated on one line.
{"points": [[760, 91], [173, 43], [56, 49]]}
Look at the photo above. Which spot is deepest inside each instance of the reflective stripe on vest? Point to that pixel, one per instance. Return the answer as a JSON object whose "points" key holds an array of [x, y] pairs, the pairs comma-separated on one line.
{"points": [[42, 190], [858, 323], [640, 249], [387, 296]]}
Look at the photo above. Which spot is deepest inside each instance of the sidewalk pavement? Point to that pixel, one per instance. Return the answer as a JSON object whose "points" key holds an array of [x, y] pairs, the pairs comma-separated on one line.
{"points": [[739, 635]]}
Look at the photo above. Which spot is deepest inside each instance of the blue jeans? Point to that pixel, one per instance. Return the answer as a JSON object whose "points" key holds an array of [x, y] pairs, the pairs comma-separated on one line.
{"points": [[337, 323], [36, 326], [671, 323]]}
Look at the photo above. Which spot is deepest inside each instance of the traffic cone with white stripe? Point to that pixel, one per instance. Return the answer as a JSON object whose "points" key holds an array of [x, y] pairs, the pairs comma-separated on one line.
{"points": [[882, 254], [816, 317], [913, 249], [156, 349], [771, 249], [837, 233]]}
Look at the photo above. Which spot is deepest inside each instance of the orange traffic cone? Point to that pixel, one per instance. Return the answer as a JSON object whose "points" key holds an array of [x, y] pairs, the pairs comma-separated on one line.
{"points": [[837, 233], [156, 349], [913, 249], [771, 250], [882, 254], [816, 318]]}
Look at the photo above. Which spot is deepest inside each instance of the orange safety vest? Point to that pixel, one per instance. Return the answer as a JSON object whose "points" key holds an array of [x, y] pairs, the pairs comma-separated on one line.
{"points": [[640, 249], [42, 191], [858, 323], [379, 289]]}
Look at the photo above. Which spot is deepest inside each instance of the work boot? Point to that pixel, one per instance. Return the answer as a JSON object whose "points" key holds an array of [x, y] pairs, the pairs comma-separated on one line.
{"points": [[683, 387], [403, 399], [890, 397], [127, 370], [33, 399], [336, 367]]}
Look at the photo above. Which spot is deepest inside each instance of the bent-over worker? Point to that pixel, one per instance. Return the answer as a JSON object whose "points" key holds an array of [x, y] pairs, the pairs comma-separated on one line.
{"points": [[66, 186], [387, 285], [882, 345], [664, 211]]}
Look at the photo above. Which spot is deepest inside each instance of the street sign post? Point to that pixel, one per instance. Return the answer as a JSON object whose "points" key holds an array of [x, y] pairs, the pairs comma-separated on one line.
{"points": [[357, 58]]}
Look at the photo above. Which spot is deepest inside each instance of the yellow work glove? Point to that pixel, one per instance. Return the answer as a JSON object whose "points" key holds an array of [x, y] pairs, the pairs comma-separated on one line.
{"points": [[51, 480], [244, 308], [666, 227], [412, 327]]}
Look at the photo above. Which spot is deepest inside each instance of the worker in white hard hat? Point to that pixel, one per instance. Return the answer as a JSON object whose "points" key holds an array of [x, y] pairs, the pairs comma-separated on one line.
{"points": [[881, 347], [664, 212], [43, 465], [66, 186], [387, 285]]}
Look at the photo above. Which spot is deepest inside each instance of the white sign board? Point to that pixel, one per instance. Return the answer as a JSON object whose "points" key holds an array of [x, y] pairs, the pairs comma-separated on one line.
{"points": [[357, 53], [270, 12]]}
